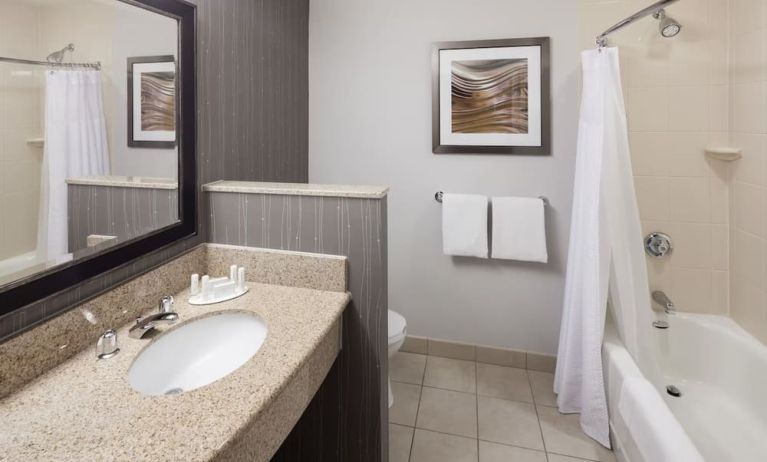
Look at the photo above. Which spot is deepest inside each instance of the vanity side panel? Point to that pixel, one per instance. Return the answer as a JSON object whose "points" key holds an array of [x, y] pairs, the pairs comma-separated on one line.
{"points": [[355, 228], [117, 211]]}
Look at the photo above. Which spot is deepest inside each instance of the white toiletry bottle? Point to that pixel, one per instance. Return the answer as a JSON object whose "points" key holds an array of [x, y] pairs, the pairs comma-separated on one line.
{"points": [[195, 286], [241, 279]]}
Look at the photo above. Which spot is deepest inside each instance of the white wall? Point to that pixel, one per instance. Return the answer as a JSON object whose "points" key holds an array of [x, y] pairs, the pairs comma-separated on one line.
{"points": [[370, 122]]}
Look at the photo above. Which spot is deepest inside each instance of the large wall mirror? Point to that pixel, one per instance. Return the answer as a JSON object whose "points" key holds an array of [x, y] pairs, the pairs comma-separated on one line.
{"points": [[97, 138]]}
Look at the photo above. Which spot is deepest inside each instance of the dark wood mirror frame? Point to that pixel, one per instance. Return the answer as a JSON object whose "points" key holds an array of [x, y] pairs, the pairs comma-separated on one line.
{"points": [[44, 284]]}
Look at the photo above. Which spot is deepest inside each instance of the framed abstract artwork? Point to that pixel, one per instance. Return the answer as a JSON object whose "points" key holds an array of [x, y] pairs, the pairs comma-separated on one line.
{"points": [[152, 102], [491, 97]]}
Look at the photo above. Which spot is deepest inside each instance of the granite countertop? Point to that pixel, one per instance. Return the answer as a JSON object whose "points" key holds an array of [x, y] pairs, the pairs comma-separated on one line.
{"points": [[298, 189], [85, 409], [125, 182]]}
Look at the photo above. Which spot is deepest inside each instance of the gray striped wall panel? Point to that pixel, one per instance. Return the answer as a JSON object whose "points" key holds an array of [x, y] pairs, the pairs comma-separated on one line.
{"points": [[117, 211], [357, 229]]}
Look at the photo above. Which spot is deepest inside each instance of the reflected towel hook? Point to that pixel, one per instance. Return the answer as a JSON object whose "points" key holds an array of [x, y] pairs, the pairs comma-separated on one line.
{"points": [[440, 194]]}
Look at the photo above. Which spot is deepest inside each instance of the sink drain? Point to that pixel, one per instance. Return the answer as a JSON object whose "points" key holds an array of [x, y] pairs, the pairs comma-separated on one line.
{"points": [[174, 391], [673, 391]]}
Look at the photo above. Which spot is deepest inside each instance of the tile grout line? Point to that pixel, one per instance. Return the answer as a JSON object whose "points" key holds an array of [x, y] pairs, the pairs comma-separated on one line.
{"points": [[418, 408], [537, 415], [476, 396], [469, 393]]}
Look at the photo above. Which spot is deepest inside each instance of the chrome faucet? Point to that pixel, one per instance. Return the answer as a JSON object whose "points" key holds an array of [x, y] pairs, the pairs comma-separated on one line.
{"points": [[662, 299], [145, 325]]}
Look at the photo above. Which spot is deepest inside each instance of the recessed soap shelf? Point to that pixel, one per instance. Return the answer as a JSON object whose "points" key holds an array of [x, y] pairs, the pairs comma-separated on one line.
{"points": [[36, 142], [723, 153]]}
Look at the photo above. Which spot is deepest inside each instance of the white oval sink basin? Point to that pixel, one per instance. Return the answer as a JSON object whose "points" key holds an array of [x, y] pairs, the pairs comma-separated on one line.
{"points": [[197, 353]]}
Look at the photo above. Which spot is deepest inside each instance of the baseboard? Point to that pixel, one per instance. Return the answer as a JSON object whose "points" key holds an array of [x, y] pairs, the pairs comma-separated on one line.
{"points": [[480, 353]]}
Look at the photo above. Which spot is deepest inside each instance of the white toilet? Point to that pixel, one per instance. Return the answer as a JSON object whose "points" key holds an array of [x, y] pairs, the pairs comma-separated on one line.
{"points": [[397, 333]]}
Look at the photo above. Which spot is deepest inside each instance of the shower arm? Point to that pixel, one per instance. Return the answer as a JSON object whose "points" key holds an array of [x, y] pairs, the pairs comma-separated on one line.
{"points": [[650, 10]]}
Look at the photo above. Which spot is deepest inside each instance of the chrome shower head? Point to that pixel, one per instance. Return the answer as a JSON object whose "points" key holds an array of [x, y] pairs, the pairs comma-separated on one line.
{"points": [[669, 27], [58, 56]]}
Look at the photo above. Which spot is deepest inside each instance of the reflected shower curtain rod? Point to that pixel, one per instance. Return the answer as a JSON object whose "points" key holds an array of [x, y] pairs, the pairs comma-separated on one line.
{"points": [[652, 9], [96, 65]]}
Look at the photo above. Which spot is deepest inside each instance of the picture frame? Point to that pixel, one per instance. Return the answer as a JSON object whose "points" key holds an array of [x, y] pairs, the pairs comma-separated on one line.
{"points": [[491, 97], [152, 102]]}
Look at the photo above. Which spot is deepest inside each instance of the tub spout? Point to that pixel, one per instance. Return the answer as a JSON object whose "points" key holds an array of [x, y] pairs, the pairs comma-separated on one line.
{"points": [[662, 299]]}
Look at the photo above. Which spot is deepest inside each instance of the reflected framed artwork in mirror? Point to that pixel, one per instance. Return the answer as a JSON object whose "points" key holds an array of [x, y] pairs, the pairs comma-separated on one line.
{"points": [[152, 101], [91, 193]]}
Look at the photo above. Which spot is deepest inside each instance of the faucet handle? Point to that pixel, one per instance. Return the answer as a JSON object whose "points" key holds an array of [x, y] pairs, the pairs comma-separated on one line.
{"points": [[106, 347], [166, 304]]}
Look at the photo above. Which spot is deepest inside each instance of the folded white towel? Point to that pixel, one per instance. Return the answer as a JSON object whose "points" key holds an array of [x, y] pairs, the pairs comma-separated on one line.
{"points": [[464, 225], [519, 229]]}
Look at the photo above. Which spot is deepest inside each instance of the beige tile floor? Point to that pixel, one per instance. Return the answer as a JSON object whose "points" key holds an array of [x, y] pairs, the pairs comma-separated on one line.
{"points": [[449, 410]]}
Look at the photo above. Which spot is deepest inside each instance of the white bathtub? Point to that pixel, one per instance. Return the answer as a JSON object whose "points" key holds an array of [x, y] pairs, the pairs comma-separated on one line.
{"points": [[18, 263], [721, 371]]}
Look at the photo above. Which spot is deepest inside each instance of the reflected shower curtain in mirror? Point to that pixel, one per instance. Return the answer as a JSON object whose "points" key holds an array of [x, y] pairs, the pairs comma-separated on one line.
{"points": [[75, 146], [606, 260]]}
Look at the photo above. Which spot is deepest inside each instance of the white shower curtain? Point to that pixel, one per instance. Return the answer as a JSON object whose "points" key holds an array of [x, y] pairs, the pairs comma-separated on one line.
{"points": [[605, 260], [75, 146]]}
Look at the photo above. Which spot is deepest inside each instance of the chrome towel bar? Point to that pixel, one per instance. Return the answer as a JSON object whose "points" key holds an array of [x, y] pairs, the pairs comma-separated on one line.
{"points": [[438, 197]]}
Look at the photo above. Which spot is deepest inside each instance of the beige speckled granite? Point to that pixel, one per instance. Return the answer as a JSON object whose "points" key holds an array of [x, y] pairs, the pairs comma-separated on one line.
{"points": [[85, 409], [125, 182], [35, 351], [32, 353], [298, 189], [280, 267]]}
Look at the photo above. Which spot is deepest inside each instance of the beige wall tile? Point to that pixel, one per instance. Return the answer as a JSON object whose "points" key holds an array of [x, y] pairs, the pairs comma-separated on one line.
{"points": [[720, 292], [689, 199], [748, 207], [691, 289], [652, 198], [691, 240], [720, 247], [648, 109], [688, 108], [748, 111]]}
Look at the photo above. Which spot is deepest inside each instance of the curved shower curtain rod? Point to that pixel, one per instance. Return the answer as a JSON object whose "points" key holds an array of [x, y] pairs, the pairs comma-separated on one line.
{"points": [[96, 65], [652, 9]]}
